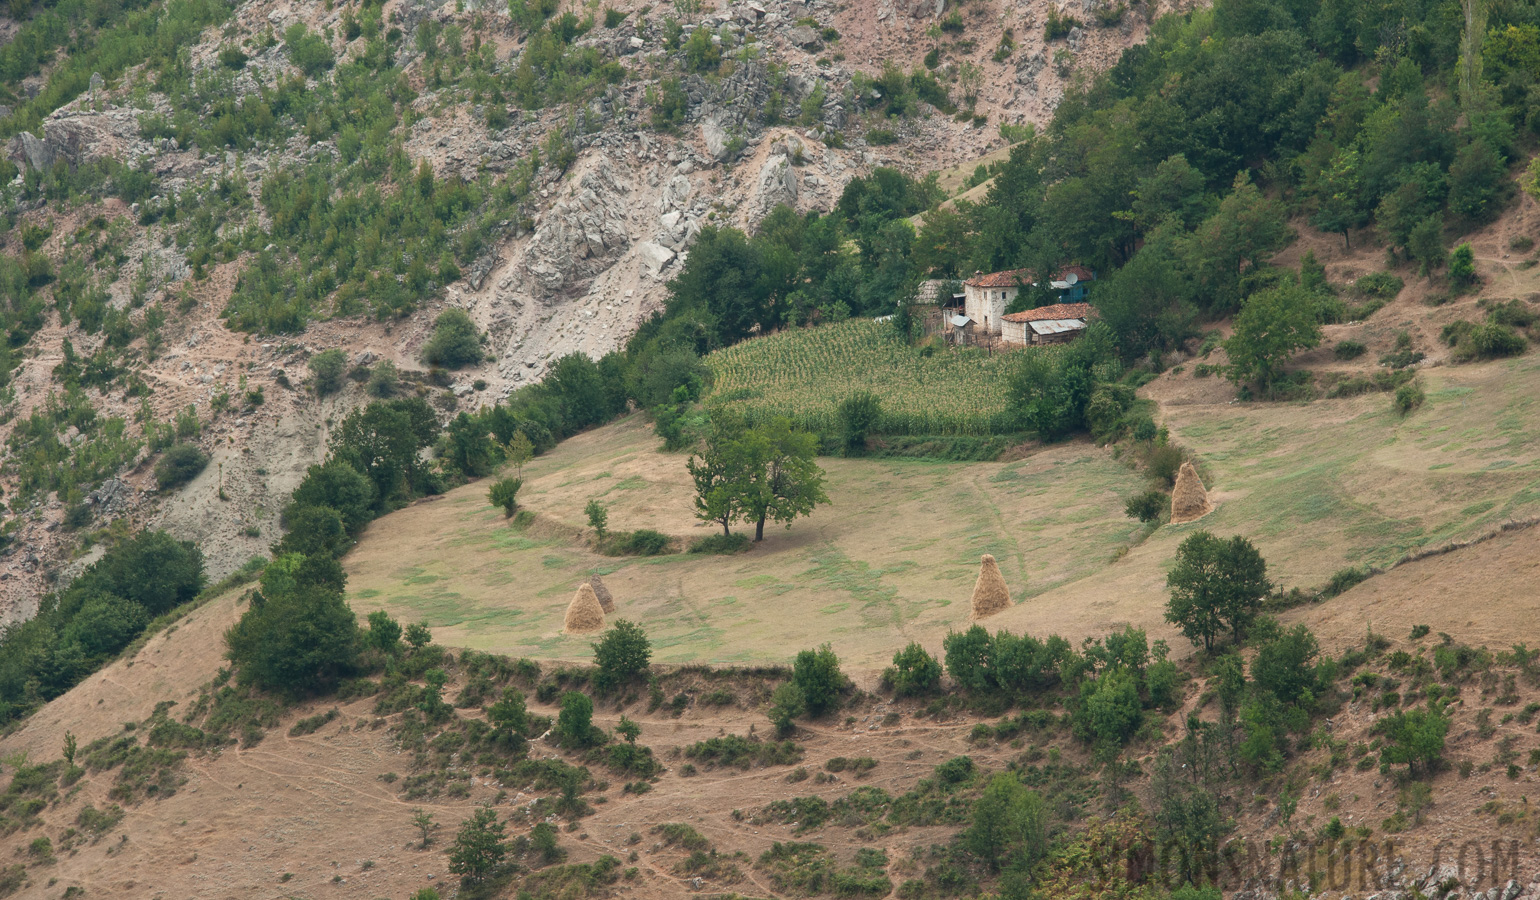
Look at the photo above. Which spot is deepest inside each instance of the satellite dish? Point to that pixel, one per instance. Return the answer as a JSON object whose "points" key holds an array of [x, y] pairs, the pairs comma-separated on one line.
{"points": [[1071, 278]]}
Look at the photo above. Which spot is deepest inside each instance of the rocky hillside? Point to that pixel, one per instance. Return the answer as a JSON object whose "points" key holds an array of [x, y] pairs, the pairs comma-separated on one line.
{"points": [[587, 147]]}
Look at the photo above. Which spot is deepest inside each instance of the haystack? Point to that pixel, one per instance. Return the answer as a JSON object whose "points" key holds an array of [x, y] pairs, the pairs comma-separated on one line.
{"points": [[584, 614], [990, 595], [603, 593], [1189, 501]]}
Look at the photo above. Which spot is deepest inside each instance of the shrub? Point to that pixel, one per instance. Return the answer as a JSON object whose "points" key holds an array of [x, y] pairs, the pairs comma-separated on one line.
{"points": [[859, 415], [1414, 737], [181, 464], [1163, 462], [1148, 506], [816, 674], [1009, 826], [881, 137], [505, 493], [298, 642], [1462, 266], [913, 673], [575, 723], [1058, 25], [479, 848], [1379, 285], [328, 368], [455, 342], [641, 542], [384, 380], [722, 543], [598, 518], [1409, 396], [1346, 350], [786, 705], [621, 655]]}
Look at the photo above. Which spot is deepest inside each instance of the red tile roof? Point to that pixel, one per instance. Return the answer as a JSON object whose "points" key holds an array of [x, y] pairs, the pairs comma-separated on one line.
{"points": [[1056, 311], [1008, 278]]}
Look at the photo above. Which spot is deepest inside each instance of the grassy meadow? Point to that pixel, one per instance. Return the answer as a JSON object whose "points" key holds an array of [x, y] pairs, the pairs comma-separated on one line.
{"points": [[1317, 486]]}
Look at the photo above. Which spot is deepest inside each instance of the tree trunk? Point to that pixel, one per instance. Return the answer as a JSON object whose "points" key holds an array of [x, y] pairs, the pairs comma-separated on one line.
{"points": [[725, 530], [759, 530], [1346, 240]]}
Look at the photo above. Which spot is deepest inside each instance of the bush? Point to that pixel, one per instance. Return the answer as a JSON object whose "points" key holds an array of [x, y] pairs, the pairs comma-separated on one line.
{"points": [[1409, 396], [1379, 285], [859, 415], [384, 380], [181, 464], [328, 368], [621, 655], [641, 542], [1058, 25], [881, 137], [786, 705], [505, 493], [1009, 825], [722, 543], [455, 342], [913, 673], [816, 674], [575, 723], [1148, 506], [296, 643], [1346, 350], [1414, 737]]}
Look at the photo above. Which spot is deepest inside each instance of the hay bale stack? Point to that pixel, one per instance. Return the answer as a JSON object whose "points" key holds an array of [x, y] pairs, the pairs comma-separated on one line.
{"points": [[606, 600], [990, 595], [584, 614], [1189, 501]]}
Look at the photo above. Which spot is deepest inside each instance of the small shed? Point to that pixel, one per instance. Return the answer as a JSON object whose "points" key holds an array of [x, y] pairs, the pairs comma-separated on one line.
{"points": [[959, 328], [1056, 324]]}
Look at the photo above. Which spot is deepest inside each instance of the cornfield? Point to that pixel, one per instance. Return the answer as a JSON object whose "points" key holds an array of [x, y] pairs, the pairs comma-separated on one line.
{"points": [[805, 373]]}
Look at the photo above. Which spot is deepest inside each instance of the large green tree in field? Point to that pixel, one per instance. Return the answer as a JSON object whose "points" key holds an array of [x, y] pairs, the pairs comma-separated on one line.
{"points": [[765, 473], [1272, 326], [1216, 585]]}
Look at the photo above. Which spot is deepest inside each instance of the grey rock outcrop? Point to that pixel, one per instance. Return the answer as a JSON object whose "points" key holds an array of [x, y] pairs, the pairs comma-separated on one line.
{"points": [[581, 236]]}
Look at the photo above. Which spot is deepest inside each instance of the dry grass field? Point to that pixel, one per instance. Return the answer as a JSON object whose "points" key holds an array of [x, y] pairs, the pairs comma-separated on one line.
{"points": [[1317, 486]]}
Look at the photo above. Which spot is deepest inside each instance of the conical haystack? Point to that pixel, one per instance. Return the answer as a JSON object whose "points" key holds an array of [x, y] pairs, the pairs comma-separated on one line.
{"points": [[603, 593], [990, 595], [584, 614], [1189, 501]]}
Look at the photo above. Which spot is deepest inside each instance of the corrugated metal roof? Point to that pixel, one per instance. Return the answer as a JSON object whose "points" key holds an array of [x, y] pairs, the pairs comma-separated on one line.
{"points": [[1056, 326], [961, 321]]}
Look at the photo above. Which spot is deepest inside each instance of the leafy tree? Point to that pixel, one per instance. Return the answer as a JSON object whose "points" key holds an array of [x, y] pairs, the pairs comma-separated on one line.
{"points": [[1283, 665], [621, 655], [455, 342], [575, 723], [383, 380], [816, 674], [1246, 230], [384, 441], [859, 415], [723, 471], [337, 484], [296, 643], [1009, 828], [152, 569], [1272, 326], [104, 624], [1476, 179], [914, 672], [328, 368], [786, 706], [598, 518], [478, 848], [1110, 707], [1426, 243], [785, 480], [384, 633], [505, 493], [312, 530], [1462, 265], [180, 464], [628, 730], [307, 50], [1215, 585], [508, 714], [968, 658], [519, 451], [422, 820], [1339, 197], [1414, 737]]}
